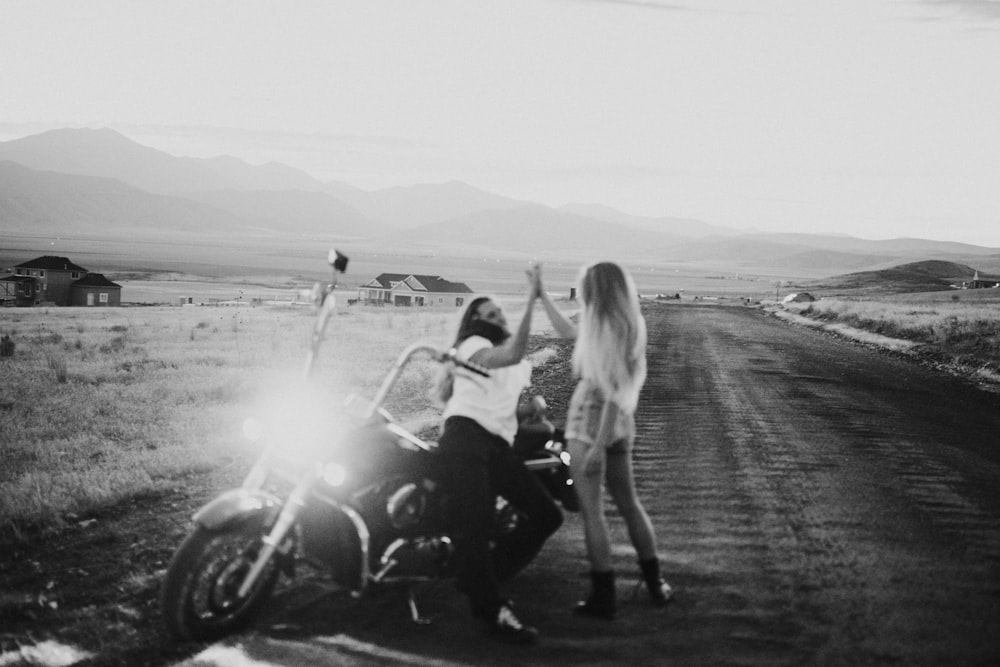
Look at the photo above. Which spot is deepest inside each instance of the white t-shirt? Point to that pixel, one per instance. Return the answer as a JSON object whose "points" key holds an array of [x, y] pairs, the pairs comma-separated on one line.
{"points": [[492, 401]]}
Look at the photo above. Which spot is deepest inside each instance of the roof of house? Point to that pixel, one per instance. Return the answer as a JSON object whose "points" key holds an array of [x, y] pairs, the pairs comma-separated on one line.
{"points": [[18, 279], [95, 280], [51, 263], [429, 283]]}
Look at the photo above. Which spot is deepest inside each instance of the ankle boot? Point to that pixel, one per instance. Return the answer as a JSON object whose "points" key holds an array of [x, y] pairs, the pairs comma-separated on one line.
{"points": [[601, 603], [659, 590]]}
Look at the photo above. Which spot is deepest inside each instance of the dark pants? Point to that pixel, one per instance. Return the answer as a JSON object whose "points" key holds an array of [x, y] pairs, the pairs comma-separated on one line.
{"points": [[478, 467]]}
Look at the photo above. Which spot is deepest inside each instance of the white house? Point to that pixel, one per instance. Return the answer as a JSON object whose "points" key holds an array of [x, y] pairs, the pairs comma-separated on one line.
{"points": [[408, 289]]}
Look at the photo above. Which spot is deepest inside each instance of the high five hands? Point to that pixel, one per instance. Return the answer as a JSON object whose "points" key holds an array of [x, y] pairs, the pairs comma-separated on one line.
{"points": [[535, 280]]}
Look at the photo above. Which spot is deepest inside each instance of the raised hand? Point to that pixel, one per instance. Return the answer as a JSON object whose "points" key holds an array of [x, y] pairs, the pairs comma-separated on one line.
{"points": [[535, 278]]}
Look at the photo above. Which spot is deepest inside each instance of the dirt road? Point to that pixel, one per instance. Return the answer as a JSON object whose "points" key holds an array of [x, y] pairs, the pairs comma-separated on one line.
{"points": [[823, 503], [817, 503]]}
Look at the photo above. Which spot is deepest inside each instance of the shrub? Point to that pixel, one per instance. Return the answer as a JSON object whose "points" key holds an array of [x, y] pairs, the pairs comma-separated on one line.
{"points": [[57, 365]]}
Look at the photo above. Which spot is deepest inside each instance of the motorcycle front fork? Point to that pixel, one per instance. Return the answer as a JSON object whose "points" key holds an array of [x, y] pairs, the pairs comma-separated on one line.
{"points": [[286, 519]]}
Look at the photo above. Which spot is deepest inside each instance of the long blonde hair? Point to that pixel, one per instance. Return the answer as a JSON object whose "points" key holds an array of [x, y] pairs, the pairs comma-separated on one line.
{"points": [[611, 341]]}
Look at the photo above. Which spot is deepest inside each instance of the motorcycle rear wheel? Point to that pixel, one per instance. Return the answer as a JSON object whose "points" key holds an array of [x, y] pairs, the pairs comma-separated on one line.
{"points": [[199, 597]]}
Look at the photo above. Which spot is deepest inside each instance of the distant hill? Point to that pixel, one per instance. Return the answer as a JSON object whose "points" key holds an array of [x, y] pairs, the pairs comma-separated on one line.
{"points": [[417, 205], [99, 182], [534, 228], [924, 276], [109, 154], [685, 227], [39, 203], [293, 211], [889, 247]]}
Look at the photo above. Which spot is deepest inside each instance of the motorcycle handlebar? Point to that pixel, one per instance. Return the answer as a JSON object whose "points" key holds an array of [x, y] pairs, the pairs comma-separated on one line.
{"points": [[441, 356], [338, 262], [452, 356]]}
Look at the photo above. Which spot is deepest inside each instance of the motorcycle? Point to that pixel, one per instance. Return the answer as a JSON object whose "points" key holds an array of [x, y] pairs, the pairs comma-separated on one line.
{"points": [[361, 501]]}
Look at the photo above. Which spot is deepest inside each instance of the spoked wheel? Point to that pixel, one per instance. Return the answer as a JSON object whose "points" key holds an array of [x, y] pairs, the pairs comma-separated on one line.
{"points": [[200, 598]]}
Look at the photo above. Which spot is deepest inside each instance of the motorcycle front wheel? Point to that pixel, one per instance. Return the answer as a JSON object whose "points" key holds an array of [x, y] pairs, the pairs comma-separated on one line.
{"points": [[199, 599]]}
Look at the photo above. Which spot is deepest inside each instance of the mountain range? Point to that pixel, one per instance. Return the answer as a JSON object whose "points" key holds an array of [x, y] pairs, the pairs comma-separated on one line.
{"points": [[99, 183]]}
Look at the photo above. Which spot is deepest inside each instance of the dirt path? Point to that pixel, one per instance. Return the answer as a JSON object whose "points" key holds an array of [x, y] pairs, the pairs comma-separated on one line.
{"points": [[817, 502], [828, 504]]}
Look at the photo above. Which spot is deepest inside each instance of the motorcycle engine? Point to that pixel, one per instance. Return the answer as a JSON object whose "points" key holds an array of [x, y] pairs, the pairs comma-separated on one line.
{"points": [[407, 505]]}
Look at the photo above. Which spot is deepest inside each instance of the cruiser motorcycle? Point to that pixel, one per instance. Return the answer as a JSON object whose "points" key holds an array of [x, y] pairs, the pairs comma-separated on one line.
{"points": [[359, 498]]}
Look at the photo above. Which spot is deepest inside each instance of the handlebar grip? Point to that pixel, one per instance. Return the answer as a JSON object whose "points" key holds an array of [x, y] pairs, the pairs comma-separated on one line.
{"points": [[452, 356], [475, 368]]}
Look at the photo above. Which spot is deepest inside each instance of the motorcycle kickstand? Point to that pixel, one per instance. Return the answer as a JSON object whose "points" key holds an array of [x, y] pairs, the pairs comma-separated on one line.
{"points": [[415, 614]]}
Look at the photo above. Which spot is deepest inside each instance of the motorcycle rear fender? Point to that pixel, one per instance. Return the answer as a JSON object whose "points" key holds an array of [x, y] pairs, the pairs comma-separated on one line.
{"points": [[233, 505]]}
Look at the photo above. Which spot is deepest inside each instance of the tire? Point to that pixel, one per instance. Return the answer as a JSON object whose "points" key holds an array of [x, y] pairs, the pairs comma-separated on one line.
{"points": [[198, 599]]}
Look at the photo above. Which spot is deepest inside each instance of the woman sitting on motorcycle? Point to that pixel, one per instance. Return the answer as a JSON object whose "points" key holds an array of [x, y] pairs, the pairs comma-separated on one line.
{"points": [[480, 421]]}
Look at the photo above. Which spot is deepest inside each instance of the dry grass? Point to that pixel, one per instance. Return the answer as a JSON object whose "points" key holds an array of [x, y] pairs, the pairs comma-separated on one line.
{"points": [[101, 404], [97, 405], [963, 327]]}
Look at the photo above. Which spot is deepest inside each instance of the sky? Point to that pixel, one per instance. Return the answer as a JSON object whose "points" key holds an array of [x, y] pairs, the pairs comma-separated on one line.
{"points": [[874, 118]]}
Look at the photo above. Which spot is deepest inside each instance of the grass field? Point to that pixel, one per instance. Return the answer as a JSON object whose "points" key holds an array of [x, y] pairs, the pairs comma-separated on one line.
{"points": [[962, 326], [102, 404], [99, 404]]}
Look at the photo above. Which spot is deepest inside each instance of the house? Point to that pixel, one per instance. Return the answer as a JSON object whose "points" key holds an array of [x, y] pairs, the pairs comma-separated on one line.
{"points": [[979, 283], [57, 281], [17, 291], [408, 289], [95, 290]]}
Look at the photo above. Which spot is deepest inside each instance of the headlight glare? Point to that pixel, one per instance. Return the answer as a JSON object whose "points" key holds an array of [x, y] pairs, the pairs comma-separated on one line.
{"points": [[253, 430], [334, 474]]}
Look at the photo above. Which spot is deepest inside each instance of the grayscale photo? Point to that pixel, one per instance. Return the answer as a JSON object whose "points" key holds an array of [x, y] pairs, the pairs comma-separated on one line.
{"points": [[499, 332]]}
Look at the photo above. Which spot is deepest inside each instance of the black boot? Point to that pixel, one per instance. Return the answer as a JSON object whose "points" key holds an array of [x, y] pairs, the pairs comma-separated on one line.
{"points": [[506, 627], [601, 603], [659, 590]]}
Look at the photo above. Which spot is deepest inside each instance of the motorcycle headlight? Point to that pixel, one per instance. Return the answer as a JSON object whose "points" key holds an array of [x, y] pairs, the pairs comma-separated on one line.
{"points": [[564, 457], [295, 423], [334, 474], [253, 430]]}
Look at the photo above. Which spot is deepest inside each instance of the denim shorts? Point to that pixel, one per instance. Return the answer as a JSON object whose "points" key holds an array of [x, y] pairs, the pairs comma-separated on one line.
{"points": [[584, 419]]}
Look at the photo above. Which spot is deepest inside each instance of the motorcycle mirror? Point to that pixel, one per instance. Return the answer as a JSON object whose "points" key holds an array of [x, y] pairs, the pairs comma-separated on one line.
{"points": [[337, 260]]}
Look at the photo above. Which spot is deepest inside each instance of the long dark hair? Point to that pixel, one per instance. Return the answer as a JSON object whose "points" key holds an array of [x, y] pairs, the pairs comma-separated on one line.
{"points": [[470, 315], [471, 325]]}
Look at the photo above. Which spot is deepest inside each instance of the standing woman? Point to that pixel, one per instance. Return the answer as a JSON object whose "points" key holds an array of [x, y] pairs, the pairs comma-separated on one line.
{"points": [[480, 422], [609, 360]]}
